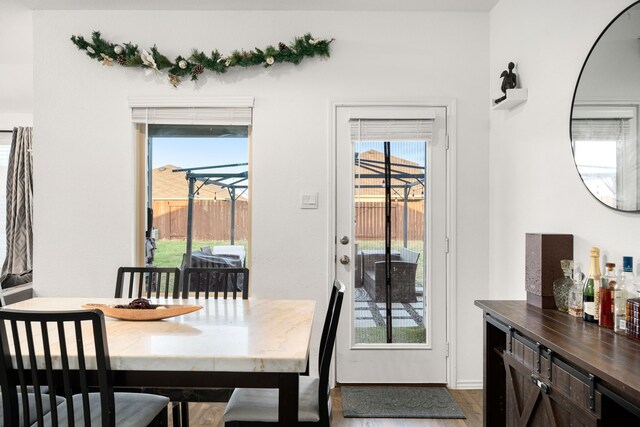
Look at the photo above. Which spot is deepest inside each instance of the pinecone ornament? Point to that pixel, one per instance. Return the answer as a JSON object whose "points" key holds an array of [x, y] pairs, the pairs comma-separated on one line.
{"points": [[198, 69], [121, 60], [282, 46]]}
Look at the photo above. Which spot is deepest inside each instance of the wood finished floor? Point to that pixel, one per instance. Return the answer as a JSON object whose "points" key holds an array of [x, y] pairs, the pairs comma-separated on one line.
{"points": [[469, 401]]}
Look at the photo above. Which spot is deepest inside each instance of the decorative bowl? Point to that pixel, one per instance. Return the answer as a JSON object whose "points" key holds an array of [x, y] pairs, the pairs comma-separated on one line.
{"points": [[156, 313]]}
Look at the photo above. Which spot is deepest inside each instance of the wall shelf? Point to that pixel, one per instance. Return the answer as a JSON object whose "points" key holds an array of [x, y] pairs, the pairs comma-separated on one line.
{"points": [[515, 97]]}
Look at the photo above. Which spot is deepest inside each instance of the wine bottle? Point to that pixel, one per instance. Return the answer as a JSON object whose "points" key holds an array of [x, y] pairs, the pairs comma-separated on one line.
{"points": [[589, 290], [609, 281]]}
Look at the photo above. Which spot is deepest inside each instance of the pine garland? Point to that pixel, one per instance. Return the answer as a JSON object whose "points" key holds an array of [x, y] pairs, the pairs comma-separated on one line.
{"points": [[129, 55]]}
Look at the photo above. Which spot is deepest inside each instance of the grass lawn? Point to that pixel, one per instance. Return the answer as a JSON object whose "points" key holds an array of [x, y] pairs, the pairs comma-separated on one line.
{"points": [[169, 252], [402, 335]]}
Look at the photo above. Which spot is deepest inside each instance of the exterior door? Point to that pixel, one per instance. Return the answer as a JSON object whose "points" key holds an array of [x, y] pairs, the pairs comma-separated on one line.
{"points": [[391, 243]]}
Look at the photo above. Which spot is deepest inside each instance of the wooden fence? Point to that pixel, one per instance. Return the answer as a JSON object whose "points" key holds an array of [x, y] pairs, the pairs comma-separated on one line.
{"points": [[370, 220], [211, 219]]}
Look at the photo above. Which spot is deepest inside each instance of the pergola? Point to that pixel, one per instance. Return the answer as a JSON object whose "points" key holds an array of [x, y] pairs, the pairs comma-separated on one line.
{"points": [[402, 176], [231, 181]]}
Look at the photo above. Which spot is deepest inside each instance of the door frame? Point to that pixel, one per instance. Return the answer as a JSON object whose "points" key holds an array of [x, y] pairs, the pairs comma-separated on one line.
{"points": [[450, 206]]}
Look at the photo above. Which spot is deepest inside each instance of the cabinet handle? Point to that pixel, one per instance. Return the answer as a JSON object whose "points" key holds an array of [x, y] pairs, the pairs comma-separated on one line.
{"points": [[592, 392], [542, 386], [510, 339]]}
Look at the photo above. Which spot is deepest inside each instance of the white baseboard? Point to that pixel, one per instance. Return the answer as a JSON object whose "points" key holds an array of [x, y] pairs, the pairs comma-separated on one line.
{"points": [[469, 385]]}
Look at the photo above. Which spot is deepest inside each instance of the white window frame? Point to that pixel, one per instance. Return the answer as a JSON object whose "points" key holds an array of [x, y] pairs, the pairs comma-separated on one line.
{"points": [[200, 110]]}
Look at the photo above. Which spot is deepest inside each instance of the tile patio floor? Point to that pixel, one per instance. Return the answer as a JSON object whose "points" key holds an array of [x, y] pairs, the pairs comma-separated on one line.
{"points": [[370, 314]]}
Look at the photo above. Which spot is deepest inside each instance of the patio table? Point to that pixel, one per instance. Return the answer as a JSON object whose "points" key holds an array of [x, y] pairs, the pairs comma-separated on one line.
{"points": [[258, 343]]}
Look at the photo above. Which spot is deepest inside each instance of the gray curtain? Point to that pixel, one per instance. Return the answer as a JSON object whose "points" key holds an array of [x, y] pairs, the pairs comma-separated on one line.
{"points": [[19, 205]]}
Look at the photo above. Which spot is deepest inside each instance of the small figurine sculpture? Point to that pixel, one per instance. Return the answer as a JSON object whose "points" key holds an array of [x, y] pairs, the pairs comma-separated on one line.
{"points": [[508, 82]]}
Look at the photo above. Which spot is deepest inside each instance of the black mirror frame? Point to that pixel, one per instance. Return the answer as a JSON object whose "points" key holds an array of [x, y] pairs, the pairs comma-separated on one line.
{"points": [[573, 101]]}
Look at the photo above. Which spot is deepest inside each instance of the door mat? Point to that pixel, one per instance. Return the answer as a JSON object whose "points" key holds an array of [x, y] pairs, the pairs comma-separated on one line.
{"points": [[398, 402]]}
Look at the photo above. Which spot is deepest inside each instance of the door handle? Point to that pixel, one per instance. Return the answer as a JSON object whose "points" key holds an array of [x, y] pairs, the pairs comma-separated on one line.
{"points": [[344, 259]]}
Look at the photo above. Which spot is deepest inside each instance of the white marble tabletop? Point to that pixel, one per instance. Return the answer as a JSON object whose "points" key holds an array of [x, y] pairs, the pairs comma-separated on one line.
{"points": [[255, 335]]}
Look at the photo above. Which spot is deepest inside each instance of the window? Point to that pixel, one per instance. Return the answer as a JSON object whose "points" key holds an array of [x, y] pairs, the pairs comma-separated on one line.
{"points": [[198, 156], [606, 152], [406, 142]]}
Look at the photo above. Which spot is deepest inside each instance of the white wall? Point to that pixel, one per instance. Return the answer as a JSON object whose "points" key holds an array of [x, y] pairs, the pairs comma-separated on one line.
{"points": [[612, 70], [84, 180], [534, 185], [16, 65]]}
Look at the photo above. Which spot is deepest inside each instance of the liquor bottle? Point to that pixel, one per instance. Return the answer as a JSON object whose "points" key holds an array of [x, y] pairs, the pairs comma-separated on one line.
{"points": [[575, 294], [609, 281], [619, 308], [637, 281], [628, 280], [589, 290]]}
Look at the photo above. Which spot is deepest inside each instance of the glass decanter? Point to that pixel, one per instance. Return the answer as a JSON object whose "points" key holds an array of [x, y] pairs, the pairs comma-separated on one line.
{"points": [[575, 294], [563, 286]]}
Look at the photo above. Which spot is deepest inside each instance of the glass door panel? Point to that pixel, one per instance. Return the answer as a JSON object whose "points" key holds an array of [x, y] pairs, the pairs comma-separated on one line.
{"points": [[398, 316]]}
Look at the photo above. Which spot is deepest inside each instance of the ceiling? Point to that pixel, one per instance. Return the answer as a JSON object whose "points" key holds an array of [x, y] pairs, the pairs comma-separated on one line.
{"points": [[355, 5]]}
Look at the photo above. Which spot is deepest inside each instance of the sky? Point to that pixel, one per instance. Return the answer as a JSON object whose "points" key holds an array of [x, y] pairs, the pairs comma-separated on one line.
{"points": [[411, 150], [194, 152]]}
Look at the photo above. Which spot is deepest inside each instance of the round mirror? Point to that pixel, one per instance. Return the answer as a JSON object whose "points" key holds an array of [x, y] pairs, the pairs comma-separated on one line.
{"points": [[604, 117]]}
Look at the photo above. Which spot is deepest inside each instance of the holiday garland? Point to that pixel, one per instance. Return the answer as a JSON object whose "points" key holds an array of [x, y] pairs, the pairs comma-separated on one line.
{"points": [[128, 55]]}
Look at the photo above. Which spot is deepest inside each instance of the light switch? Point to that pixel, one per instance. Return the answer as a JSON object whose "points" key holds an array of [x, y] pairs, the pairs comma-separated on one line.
{"points": [[309, 201]]}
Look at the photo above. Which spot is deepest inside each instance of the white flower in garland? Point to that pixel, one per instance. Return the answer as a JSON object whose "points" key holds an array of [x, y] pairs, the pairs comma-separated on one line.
{"points": [[270, 60], [174, 80], [147, 59], [106, 60], [182, 64], [118, 49]]}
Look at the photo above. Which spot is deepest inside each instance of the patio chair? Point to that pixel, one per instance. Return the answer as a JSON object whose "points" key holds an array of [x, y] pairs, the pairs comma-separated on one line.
{"points": [[147, 282], [259, 406], [403, 282], [237, 250], [407, 255], [67, 331]]}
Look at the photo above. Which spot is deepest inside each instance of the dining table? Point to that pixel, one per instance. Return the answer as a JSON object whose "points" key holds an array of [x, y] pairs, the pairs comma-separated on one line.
{"points": [[252, 343]]}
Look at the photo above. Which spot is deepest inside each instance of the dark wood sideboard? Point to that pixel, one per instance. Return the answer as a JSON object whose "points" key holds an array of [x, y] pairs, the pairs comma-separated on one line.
{"points": [[546, 368]]}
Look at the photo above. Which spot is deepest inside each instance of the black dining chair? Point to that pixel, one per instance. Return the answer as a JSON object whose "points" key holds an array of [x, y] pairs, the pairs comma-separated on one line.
{"points": [[23, 333], [216, 282], [147, 282], [151, 282], [259, 406]]}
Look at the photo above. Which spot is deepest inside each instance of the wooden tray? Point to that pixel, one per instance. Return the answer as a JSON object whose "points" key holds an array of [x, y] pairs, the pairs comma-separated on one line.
{"points": [[145, 314]]}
